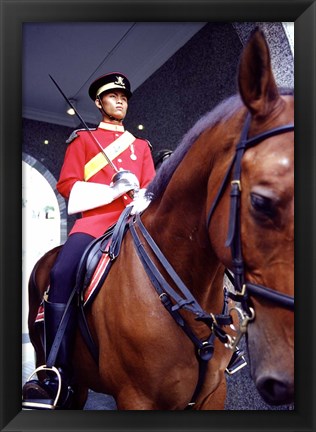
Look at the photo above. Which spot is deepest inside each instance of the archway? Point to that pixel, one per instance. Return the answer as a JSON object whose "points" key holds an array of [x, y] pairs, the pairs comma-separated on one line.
{"points": [[44, 226]]}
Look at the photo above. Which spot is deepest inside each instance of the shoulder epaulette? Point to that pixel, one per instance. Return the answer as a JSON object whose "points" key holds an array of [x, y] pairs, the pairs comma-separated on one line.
{"points": [[75, 135]]}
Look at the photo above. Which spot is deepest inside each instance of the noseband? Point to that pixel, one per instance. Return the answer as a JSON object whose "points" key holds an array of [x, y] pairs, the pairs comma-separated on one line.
{"points": [[242, 288]]}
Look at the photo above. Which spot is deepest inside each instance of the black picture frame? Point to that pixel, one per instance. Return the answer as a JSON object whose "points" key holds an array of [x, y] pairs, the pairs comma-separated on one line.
{"points": [[13, 14]]}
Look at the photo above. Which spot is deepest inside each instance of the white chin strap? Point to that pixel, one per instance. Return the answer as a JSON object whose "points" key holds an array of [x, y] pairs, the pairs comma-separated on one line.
{"points": [[87, 195]]}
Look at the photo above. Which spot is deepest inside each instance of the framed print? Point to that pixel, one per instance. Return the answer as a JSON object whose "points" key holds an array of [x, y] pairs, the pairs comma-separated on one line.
{"points": [[20, 16]]}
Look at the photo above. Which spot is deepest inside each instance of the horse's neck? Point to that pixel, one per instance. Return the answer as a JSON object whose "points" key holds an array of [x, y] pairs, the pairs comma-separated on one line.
{"points": [[186, 246], [178, 223]]}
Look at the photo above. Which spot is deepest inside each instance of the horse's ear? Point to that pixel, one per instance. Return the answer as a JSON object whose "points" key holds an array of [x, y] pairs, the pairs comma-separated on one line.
{"points": [[257, 85]]}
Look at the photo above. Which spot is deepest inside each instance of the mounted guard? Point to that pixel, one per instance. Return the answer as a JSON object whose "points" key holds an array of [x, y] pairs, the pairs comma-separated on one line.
{"points": [[103, 170]]}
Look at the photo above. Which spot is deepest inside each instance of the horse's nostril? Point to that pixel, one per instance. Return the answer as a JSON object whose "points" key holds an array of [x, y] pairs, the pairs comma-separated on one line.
{"points": [[274, 391]]}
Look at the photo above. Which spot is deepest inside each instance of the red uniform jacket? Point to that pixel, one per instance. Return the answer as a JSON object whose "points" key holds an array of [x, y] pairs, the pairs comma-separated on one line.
{"points": [[81, 150]]}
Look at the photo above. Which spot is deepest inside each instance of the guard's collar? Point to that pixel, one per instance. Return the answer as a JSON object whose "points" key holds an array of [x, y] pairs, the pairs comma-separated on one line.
{"points": [[111, 127]]}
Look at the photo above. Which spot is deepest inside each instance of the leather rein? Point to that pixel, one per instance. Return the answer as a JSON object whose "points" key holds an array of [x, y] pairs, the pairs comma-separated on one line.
{"points": [[174, 301]]}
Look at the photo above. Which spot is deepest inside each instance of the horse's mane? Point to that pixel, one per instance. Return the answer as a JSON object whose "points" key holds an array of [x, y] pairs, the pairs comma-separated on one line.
{"points": [[221, 112]]}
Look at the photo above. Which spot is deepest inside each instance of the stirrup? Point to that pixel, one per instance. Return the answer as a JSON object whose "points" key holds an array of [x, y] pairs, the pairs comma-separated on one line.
{"points": [[237, 362], [48, 404]]}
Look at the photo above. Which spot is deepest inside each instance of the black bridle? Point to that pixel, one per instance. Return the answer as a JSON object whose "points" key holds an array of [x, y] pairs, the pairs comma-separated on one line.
{"points": [[174, 301], [242, 288]]}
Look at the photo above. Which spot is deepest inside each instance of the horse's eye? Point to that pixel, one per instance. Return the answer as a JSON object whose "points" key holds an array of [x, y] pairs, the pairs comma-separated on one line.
{"points": [[262, 205]]}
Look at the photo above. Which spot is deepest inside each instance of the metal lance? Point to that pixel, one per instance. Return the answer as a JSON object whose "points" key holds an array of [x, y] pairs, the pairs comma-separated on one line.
{"points": [[85, 126]]}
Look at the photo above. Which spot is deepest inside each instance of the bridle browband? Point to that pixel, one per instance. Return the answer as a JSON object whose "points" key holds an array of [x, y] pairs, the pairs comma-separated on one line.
{"points": [[242, 288]]}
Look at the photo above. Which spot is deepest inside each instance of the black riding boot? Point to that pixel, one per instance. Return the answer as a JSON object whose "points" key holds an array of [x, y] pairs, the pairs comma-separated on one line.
{"points": [[54, 392]]}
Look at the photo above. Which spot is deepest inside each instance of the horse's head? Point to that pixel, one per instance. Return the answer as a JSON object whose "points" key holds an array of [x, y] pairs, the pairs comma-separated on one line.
{"points": [[264, 222], [267, 223]]}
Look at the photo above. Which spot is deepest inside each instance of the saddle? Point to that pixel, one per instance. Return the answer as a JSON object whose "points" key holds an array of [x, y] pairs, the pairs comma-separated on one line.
{"points": [[97, 259]]}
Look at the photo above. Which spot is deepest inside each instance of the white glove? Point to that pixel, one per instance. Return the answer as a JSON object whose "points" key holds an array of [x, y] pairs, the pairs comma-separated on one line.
{"points": [[124, 181], [140, 202]]}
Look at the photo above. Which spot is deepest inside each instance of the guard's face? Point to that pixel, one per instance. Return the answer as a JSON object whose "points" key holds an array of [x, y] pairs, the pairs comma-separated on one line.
{"points": [[114, 103]]}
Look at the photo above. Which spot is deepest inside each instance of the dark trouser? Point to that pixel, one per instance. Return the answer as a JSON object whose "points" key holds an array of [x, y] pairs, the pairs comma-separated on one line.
{"points": [[63, 273], [62, 282]]}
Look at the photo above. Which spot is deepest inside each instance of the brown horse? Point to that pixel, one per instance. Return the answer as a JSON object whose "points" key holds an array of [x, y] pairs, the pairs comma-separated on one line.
{"points": [[146, 361]]}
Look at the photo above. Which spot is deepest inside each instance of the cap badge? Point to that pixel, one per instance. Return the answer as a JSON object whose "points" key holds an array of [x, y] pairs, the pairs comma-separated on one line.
{"points": [[120, 81]]}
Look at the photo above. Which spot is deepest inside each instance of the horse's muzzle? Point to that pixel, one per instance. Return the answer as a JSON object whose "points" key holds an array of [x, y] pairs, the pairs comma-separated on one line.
{"points": [[276, 390]]}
